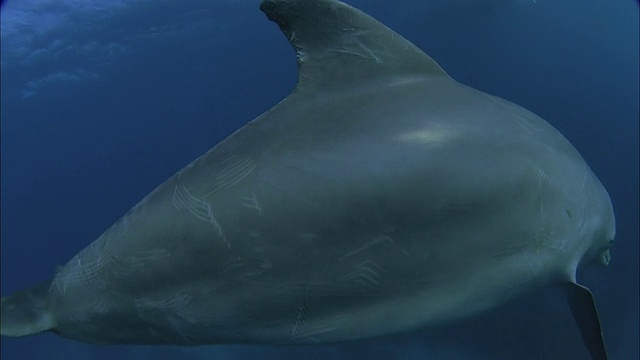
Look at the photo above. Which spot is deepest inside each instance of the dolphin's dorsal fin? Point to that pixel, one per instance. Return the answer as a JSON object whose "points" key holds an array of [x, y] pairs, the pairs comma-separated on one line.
{"points": [[584, 311], [337, 44]]}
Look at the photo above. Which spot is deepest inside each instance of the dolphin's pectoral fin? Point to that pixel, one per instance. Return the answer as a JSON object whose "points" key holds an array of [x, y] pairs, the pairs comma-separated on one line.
{"points": [[25, 312], [584, 311], [337, 44]]}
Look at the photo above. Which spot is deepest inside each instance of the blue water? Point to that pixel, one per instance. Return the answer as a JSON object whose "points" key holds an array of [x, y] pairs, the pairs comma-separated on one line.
{"points": [[102, 101]]}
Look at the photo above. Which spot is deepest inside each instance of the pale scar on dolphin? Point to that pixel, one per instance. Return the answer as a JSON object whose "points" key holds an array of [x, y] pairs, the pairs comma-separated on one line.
{"points": [[380, 196]]}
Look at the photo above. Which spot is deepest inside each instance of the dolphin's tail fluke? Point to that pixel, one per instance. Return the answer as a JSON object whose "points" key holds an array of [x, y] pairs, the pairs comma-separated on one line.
{"points": [[26, 312]]}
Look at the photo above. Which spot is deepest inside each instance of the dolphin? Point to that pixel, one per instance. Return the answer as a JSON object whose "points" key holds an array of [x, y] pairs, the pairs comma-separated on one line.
{"points": [[379, 197]]}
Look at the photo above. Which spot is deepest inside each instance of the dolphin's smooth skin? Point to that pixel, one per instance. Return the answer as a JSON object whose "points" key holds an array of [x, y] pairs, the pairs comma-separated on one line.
{"points": [[380, 196]]}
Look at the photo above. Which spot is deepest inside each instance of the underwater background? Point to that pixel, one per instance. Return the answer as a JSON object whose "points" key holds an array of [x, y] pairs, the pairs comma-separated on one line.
{"points": [[103, 101]]}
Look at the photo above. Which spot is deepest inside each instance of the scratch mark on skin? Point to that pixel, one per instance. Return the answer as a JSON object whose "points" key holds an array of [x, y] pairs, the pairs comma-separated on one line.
{"points": [[265, 264], [301, 320], [165, 305], [512, 250], [377, 240], [86, 311], [293, 38], [252, 203], [148, 255], [367, 54], [311, 337], [520, 115], [542, 235], [543, 177], [138, 261], [230, 265], [320, 329], [175, 312], [236, 170], [101, 306], [182, 199], [122, 225], [79, 272], [354, 45], [366, 273]]}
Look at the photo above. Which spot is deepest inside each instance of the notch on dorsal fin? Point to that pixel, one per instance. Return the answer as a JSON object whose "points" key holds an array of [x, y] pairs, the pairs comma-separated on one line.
{"points": [[337, 44]]}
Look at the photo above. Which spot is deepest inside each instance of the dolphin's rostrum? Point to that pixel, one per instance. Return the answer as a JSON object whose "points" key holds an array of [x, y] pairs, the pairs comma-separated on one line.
{"points": [[380, 196]]}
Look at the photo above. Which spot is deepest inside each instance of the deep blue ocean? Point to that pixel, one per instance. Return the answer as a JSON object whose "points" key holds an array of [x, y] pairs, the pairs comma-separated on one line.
{"points": [[103, 101]]}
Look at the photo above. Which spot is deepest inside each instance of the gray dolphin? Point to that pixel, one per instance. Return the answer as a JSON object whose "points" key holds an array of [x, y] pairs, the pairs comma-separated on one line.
{"points": [[380, 196]]}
